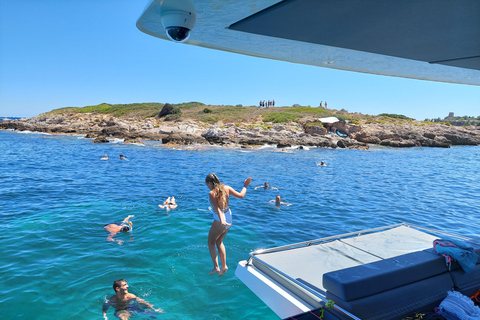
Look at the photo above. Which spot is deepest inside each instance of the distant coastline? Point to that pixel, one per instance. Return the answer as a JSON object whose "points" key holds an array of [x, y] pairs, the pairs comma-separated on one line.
{"points": [[10, 118], [245, 127]]}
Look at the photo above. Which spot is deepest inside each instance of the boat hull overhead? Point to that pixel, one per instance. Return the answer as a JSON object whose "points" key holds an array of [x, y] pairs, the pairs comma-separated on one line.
{"points": [[429, 39]]}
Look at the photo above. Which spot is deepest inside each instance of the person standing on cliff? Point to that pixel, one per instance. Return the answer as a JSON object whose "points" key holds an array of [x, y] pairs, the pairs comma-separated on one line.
{"points": [[222, 218]]}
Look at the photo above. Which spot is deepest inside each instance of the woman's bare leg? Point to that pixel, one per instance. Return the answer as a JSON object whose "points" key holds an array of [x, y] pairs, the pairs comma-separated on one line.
{"points": [[213, 235], [222, 253]]}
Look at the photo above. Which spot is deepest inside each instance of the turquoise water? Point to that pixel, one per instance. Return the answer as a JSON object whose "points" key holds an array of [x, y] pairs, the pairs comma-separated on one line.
{"points": [[56, 195]]}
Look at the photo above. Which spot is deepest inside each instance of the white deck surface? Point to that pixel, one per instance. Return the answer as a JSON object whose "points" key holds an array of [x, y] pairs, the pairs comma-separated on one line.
{"points": [[308, 264]]}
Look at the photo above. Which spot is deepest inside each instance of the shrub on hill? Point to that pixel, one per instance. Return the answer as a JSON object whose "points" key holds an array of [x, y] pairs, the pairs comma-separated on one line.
{"points": [[392, 115], [280, 117], [169, 109]]}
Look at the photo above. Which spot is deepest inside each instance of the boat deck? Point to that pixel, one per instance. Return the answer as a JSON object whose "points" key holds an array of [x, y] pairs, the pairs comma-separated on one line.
{"points": [[289, 279], [318, 259]]}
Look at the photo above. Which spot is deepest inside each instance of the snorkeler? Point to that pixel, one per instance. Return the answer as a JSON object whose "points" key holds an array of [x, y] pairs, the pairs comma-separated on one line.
{"points": [[115, 228], [104, 158], [123, 302], [322, 164], [278, 202], [266, 187], [170, 203], [219, 199]]}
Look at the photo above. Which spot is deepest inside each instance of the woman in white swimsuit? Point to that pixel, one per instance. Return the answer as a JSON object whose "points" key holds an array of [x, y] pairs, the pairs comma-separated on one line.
{"points": [[219, 195]]}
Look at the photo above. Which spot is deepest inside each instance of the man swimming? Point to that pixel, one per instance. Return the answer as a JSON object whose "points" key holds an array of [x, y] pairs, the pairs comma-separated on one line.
{"points": [[170, 203], [266, 187], [124, 302], [115, 228], [278, 202]]}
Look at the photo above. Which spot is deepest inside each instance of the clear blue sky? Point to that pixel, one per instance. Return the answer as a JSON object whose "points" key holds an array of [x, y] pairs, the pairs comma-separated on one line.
{"points": [[56, 54]]}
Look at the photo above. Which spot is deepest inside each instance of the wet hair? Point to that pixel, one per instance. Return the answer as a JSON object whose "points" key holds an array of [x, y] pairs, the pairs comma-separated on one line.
{"points": [[118, 284], [219, 189], [125, 228]]}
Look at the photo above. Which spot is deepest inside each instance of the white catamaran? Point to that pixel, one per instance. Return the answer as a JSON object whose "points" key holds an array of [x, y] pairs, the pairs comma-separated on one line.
{"points": [[383, 273]]}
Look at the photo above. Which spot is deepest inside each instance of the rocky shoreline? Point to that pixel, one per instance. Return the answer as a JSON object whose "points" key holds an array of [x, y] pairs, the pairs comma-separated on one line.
{"points": [[307, 132]]}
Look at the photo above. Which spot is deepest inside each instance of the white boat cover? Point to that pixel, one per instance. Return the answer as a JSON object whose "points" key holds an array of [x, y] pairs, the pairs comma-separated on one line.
{"points": [[328, 120], [308, 264]]}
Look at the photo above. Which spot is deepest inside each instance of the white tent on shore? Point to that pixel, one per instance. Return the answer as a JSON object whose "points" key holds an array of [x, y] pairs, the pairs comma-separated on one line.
{"points": [[328, 120]]}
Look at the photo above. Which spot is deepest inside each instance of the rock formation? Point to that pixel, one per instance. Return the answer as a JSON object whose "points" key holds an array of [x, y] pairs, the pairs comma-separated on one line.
{"points": [[307, 132]]}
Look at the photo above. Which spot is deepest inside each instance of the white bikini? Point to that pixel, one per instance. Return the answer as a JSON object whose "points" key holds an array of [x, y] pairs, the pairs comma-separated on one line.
{"points": [[228, 215]]}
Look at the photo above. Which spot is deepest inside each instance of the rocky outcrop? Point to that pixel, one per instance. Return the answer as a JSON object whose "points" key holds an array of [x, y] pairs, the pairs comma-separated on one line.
{"points": [[416, 134], [307, 133]]}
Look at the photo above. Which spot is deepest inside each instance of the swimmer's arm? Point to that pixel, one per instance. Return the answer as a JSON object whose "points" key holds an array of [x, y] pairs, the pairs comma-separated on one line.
{"points": [[241, 194], [148, 305], [105, 307], [128, 218], [274, 188]]}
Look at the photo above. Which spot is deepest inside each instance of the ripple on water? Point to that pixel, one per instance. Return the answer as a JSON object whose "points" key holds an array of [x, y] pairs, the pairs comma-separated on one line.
{"points": [[57, 262]]}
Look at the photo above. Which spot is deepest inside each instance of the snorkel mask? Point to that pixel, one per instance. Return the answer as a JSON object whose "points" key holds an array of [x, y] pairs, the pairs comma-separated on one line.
{"points": [[127, 227]]}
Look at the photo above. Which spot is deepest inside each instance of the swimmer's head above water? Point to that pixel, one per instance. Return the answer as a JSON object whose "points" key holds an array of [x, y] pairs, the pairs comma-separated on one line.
{"points": [[127, 227]]}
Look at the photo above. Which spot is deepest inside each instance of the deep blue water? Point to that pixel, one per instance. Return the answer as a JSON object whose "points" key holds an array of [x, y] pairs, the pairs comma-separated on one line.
{"points": [[56, 195]]}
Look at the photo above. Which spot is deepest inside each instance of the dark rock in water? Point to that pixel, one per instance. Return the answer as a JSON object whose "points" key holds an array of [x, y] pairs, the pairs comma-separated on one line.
{"points": [[91, 136], [283, 144], [114, 132], [351, 144], [184, 139], [135, 140], [100, 140]]}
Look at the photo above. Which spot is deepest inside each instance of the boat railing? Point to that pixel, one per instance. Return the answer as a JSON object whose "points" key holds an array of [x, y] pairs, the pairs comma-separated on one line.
{"points": [[352, 234], [321, 296], [310, 290]]}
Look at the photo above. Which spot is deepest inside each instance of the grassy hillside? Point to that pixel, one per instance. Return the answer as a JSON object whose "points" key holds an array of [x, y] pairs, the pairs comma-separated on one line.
{"points": [[213, 113]]}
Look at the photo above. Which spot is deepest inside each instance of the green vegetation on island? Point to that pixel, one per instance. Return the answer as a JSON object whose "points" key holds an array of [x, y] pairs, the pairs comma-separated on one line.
{"points": [[198, 111]]}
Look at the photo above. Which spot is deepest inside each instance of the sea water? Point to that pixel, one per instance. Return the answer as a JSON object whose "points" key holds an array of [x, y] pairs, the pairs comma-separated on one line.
{"points": [[56, 195]]}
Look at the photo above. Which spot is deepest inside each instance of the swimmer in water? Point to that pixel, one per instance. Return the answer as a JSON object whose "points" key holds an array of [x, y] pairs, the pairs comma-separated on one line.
{"points": [[322, 164], [278, 202], [170, 204], [124, 302], [219, 196], [266, 187], [104, 158], [115, 228]]}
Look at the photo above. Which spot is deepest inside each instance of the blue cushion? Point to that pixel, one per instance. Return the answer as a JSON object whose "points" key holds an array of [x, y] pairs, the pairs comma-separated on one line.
{"points": [[376, 277], [397, 303], [466, 283]]}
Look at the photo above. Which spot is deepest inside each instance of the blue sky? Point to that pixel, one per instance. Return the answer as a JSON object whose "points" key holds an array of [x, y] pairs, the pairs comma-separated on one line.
{"points": [[56, 54]]}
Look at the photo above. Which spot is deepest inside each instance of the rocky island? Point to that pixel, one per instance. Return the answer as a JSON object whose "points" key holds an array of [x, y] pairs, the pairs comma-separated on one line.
{"points": [[246, 127]]}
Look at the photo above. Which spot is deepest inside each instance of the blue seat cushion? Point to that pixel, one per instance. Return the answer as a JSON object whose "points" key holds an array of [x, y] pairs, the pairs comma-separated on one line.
{"points": [[376, 277], [421, 296], [466, 283]]}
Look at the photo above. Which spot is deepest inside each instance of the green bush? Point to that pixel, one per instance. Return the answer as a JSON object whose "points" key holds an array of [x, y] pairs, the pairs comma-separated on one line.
{"points": [[173, 117], [315, 123], [392, 115], [206, 110], [280, 117]]}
